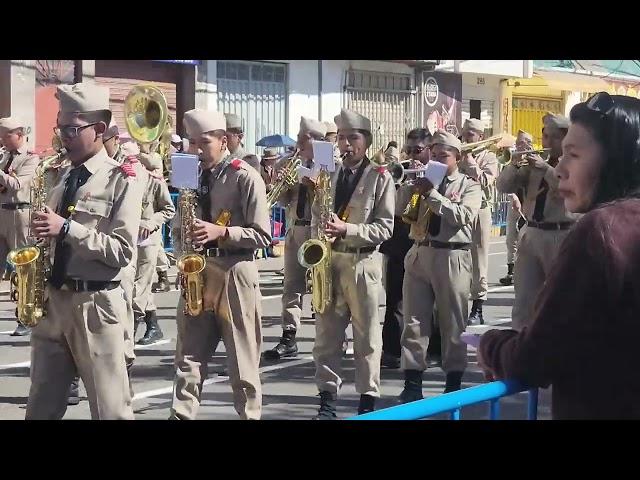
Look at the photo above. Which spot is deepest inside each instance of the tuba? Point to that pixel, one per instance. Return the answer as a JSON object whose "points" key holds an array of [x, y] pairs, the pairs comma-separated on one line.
{"points": [[315, 254], [33, 263], [288, 178], [191, 263]]}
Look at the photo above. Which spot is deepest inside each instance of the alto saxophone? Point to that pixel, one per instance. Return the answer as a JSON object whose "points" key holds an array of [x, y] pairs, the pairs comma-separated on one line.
{"points": [[288, 178], [315, 254], [33, 263], [191, 263]]}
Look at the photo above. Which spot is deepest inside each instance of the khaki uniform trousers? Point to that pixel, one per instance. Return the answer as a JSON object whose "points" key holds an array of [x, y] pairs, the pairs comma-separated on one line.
{"points": [[435, 277], [356, 287], [146, 265], [537, 253], [163, 261], [512, 234], [83, 333], [481, 236], [14, 228], [233, 290], [295, 284]]}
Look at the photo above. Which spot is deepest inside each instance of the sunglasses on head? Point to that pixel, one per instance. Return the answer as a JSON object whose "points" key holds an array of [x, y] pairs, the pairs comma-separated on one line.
{"points": [[602, 103]]}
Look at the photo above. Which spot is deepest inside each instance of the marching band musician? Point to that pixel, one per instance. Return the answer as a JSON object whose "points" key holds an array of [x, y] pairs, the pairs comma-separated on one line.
{"points": [[297, 201], [548, 221], [267, 167], [235, 135], [438, 268], [17, 167], [363, 205], [157, 208], [233, 221], [92, 221], [483, 168], [524, 141]]}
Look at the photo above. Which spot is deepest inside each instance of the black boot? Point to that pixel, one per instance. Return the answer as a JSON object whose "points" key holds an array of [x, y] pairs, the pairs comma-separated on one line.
{"points": [[286, 347], [475, 317], [153, 333], [367, 404], [162, 285], [453, 382], [508, 279], [74, 392], [389, 361], [21, 331], [412, 387], [327, 410]]}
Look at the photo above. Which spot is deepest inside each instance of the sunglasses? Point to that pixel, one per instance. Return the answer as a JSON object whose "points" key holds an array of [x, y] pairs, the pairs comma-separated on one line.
{"points": [[415, 150], [69, 131], [602, 103]]}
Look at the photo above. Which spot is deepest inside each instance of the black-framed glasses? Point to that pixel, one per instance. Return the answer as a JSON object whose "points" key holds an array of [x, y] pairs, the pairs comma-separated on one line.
{"points": [[602, 103], [71, 131], [417, 150]]}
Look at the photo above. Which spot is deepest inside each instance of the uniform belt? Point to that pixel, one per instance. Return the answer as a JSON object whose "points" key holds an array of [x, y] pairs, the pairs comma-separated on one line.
{"points": [[302, 223], [14, 206], [447, 245], [226, 252], [343, 249], [550, 225], [88, 285]]}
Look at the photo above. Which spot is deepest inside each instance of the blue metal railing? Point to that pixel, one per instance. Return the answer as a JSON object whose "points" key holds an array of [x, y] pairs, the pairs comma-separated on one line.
{"points": [[278, 217], [453, 403]]}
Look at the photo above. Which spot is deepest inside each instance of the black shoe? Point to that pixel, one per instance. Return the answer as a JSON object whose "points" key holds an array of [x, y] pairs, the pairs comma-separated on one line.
{"points": [[286, 347], [327, 410], [412, 387], [21, 331], [475, 317], [508, 279], [389, 361], [74, 392], [162, 285], [367, 404], [453, 382], [153, 333]]}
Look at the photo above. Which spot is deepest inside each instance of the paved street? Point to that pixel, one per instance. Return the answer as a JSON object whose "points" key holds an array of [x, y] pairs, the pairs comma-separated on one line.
{"points": [[288, 386]]}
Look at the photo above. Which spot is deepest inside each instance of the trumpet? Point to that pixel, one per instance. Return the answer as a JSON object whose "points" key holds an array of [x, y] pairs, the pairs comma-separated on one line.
{"points": [[288, 178]]}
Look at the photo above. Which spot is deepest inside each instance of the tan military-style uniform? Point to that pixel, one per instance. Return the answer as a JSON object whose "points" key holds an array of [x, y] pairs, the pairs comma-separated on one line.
{"points": [[157, 208], [356, 272], [239, 152], [298, 232], [541, 239], [231, 291], [15, 198], [485, 171], [438, 271], [84, 330]]}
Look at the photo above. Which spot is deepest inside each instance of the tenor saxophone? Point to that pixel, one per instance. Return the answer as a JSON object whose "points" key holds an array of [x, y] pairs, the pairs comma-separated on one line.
{"points": [[315, 254], [33, 263]]}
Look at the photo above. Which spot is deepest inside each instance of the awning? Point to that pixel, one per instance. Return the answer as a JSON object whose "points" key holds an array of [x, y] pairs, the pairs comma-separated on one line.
{"points": [[573, 81]]}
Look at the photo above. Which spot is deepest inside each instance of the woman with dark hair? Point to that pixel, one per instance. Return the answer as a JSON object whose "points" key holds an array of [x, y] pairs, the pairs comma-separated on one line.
{"points": [[581, 338]]}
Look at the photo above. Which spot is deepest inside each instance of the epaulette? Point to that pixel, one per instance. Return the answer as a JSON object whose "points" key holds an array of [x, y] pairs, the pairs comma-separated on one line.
{"points": [[381, 170], [237, 163], [128, 169]]}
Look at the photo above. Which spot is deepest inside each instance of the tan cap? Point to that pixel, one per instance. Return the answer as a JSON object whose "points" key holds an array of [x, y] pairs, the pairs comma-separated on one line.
{"points": [[129, 148], [331, 127], [11, 123], [233, 121], [336, 120], [353, 120], [312, 126], [442, 137], [198, 121], [82, 97], [553, 120], [270, 154], [473, 124], [151, 161], [525, 135]]}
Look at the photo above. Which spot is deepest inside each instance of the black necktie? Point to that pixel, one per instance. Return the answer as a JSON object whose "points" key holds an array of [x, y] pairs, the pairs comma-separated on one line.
{"points": [[436, 220], [204, 199], [342, 189], [77, 177], [541, 198], [12, 155]]}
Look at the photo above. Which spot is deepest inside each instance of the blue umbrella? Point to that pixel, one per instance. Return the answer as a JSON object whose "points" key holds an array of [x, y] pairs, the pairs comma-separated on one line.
{"points": [[276, 141]]}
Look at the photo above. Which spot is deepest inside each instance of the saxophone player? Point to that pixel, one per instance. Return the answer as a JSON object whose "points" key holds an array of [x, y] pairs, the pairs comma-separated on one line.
{"points": [[92, 219], [361, 219], [297, 201], [233, 221], [438, 270], [17, 167]]}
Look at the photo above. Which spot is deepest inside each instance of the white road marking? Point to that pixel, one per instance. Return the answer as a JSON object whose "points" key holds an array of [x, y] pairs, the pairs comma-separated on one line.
{"points": [[159, 342], [498, 253], [9, 366], [508, 288]]}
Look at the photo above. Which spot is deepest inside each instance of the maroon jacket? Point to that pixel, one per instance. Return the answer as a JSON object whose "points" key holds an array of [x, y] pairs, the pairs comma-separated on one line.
{"points": [[585, 337]]}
